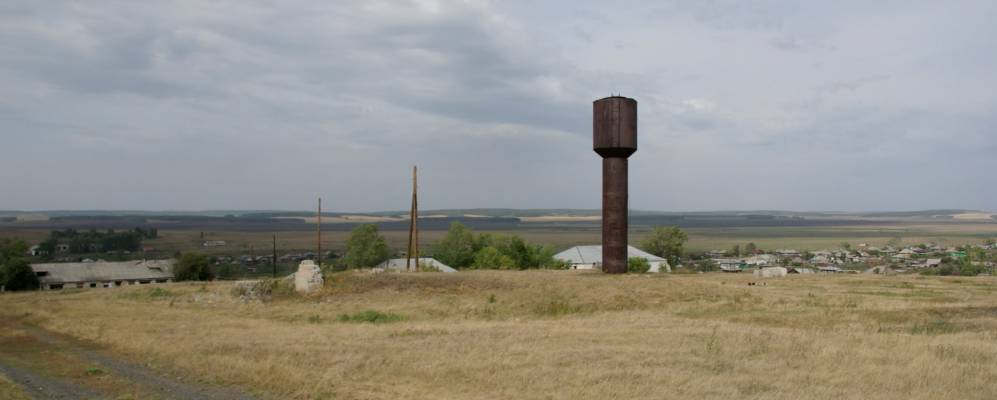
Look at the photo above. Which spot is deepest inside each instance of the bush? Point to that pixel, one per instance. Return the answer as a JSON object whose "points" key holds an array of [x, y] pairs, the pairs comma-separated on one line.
{"points": [[638, 265], [491, 258], [456, 249], [193, 267], [371, 316], [17, 275], [366, 247], [263, 289], [15, 272]]}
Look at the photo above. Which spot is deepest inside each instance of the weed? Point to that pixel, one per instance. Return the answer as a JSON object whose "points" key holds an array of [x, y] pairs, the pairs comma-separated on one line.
{"points": [[371, 316], [491, 299], [147, 293], [314, 319], [554, 306], [713, 342], [933, 327], [95, 371]]}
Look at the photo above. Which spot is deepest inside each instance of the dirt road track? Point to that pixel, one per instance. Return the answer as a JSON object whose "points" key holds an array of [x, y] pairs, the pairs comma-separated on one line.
{"points": [[29, 361]]}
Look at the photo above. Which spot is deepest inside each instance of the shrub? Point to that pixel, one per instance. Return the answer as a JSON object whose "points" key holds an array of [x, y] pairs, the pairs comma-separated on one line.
{"points": [[366, 247], [638, 265], [17, 275], [263, 289], [371, 316], [193, 267], [456, 249], [491, 258]]}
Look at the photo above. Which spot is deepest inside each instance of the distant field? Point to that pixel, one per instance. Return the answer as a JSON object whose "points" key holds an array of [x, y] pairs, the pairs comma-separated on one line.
{"points": [[700, 239], [534, 335]]}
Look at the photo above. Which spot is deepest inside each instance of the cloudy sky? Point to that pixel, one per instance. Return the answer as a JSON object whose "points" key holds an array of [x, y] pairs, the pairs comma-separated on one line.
{"points": [[799, 105]]}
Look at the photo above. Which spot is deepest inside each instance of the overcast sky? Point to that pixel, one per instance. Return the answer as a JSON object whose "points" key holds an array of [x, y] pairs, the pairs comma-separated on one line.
{"points": [[798, 105]]}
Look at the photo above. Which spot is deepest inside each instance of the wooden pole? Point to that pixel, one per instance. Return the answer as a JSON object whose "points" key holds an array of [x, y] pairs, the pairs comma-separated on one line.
{"points": [[413, 240], [319, 231], [274, 263], [415, 214]]}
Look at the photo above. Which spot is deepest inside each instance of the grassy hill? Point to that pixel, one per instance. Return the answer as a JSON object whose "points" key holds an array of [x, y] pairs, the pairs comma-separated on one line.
{"points": [[540, 335]]}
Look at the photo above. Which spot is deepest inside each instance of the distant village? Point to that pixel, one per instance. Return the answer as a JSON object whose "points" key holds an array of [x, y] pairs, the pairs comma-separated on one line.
{"points": [[71, 259], [927, 258]]}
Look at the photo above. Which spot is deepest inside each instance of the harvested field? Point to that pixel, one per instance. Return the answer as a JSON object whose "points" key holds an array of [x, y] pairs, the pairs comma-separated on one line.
{"points": [[552, 335]]}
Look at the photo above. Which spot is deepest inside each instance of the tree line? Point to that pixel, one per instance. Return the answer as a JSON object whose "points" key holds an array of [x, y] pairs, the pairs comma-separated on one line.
{"points": [[92, 240]]}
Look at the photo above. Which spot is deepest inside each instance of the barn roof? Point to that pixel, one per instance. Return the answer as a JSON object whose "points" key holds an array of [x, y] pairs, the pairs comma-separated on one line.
{"points": [[593, 255], [56, 273], [398, 264]]}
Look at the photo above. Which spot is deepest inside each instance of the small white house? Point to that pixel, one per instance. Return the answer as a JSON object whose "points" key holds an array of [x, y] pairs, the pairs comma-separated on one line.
{"points": [[590, 257]]}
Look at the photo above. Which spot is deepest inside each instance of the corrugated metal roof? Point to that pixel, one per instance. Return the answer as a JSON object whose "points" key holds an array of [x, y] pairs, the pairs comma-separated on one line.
{"points": [[398, 264], [56, 273], [593, 255]]}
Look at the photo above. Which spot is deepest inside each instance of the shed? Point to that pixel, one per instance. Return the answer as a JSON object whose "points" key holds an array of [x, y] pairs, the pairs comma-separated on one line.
{"points": [[102, 274], [590, 257]]}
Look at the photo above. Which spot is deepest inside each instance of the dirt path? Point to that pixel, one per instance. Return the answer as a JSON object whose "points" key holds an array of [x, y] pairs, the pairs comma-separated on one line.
{"points": [[42, 387], [51, 366]]}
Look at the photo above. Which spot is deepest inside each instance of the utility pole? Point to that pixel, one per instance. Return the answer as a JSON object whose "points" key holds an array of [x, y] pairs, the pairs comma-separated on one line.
{"points": [[413, 228], [319, 231], [274, 261]]}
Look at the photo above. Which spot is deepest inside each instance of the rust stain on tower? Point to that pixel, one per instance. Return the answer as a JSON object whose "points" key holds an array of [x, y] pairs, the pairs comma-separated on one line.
{"points": [[614, 133]]}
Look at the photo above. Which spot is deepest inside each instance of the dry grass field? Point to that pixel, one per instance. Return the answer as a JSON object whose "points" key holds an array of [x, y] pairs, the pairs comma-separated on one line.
{"points": [[545, 335]]}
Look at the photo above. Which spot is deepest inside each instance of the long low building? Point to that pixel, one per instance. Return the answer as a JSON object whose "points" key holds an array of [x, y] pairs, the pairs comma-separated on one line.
{"points": [[53, 276], [590, 257]]}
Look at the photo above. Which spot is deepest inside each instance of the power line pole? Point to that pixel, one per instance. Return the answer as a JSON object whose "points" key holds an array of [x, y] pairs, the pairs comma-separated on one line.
{"points": [[413, 228], [319, 231], [274, 261]]}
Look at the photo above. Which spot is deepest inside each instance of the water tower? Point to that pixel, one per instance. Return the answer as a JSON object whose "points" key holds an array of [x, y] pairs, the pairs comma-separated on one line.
{"points": [[614, 133]]}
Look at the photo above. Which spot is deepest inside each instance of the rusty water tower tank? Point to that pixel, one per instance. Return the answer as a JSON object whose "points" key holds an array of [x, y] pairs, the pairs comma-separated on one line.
{"points": [[614, 134]]}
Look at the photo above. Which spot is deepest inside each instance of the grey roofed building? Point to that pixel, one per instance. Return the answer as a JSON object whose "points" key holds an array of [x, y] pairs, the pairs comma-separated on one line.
{"points": [[102, 274], [590, 257], [398, 264]]}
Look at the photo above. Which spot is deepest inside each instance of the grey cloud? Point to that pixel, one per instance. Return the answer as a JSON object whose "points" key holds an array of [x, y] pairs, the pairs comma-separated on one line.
{"points": [[194, 105]]}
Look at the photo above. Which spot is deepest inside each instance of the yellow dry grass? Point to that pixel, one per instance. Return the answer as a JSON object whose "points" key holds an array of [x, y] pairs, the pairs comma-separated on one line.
{"points": [[558, 335], [562, 218], [980, 216], [348, 219]]}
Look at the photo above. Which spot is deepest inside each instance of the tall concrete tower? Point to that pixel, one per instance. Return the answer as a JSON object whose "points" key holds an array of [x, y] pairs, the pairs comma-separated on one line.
{"points": [[614, 133]]}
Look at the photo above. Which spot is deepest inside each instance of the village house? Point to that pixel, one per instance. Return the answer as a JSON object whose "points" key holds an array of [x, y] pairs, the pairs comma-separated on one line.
{"points": [[53, 276], [590, 257], [730, 264]]}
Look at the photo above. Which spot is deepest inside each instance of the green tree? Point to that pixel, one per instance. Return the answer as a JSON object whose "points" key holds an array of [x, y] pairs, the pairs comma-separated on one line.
{"points": [[707, 266], [750, 248], [366, 247], [525, 255], [491, 258], [666, 242], [736, 250], [456, 249], [15, 271], [847, 246], [638, 265], [193, 267]]}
